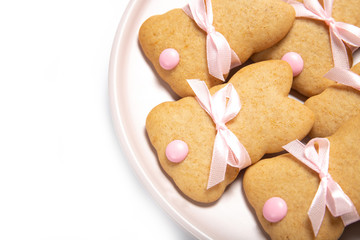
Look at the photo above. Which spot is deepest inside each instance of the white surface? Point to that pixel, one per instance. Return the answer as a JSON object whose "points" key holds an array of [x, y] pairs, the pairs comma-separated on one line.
{"points": [[62, 172]]}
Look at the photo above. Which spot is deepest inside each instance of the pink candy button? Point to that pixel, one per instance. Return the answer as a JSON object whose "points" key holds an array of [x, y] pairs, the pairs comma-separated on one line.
{"points": [[275, 209], [169, 59], [176, 151], [296, 62]]}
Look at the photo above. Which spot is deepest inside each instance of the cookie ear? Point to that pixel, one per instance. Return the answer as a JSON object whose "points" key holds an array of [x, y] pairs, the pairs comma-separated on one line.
{"points": [[263, 88], [268, 77], [345, 165], [252, 26], [333, 107]]}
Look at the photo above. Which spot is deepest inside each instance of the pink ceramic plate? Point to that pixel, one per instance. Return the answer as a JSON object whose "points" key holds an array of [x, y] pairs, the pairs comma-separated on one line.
{"points": [[134, 90]]}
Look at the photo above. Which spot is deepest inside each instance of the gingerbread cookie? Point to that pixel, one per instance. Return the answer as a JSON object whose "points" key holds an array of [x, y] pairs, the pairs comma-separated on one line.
{"points": [[334, 106], [183, 133], [311, 194], [180, 48], [311, 39]]}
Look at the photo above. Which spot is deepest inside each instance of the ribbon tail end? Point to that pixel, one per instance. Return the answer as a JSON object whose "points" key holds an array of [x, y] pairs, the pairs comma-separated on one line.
{"points": [[315, 225], [212, 183]]}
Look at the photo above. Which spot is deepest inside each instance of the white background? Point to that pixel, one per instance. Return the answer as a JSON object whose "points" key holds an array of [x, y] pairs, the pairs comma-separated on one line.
{"points": [[63, 174], [62, 171]]}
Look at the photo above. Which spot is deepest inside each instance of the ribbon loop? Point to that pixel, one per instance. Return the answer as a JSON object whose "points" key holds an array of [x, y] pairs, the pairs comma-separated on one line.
{"points": [[340, 33], [223, 106], [220, 57], [345, 77], [329, 193]]}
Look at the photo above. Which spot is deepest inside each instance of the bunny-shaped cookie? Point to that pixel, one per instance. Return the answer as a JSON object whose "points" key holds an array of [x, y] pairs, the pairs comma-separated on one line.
{"points": [[310, 38], [267, 120], [181, 48], [322, 175]]}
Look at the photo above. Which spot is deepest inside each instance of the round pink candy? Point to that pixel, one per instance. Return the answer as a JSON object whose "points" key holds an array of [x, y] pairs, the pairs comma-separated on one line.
{"points": [[275, 209], [169, 59], [296, 62], [176, 151]]}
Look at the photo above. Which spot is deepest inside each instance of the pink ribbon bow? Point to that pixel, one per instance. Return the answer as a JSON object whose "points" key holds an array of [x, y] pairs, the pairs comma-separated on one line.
{"points": [[329, 192], [345, 77], [339, 32], [227, 148], [220, 57]]}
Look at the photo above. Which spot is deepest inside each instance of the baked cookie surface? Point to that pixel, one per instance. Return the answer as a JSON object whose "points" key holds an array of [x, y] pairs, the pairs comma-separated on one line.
{"points": [[310, 38], [268, 119], [288, 178], [248, 26], [333, 107]]}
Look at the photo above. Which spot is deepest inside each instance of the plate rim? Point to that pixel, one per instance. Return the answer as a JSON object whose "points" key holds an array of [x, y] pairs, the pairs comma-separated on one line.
{"points": [[119, 125]]}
